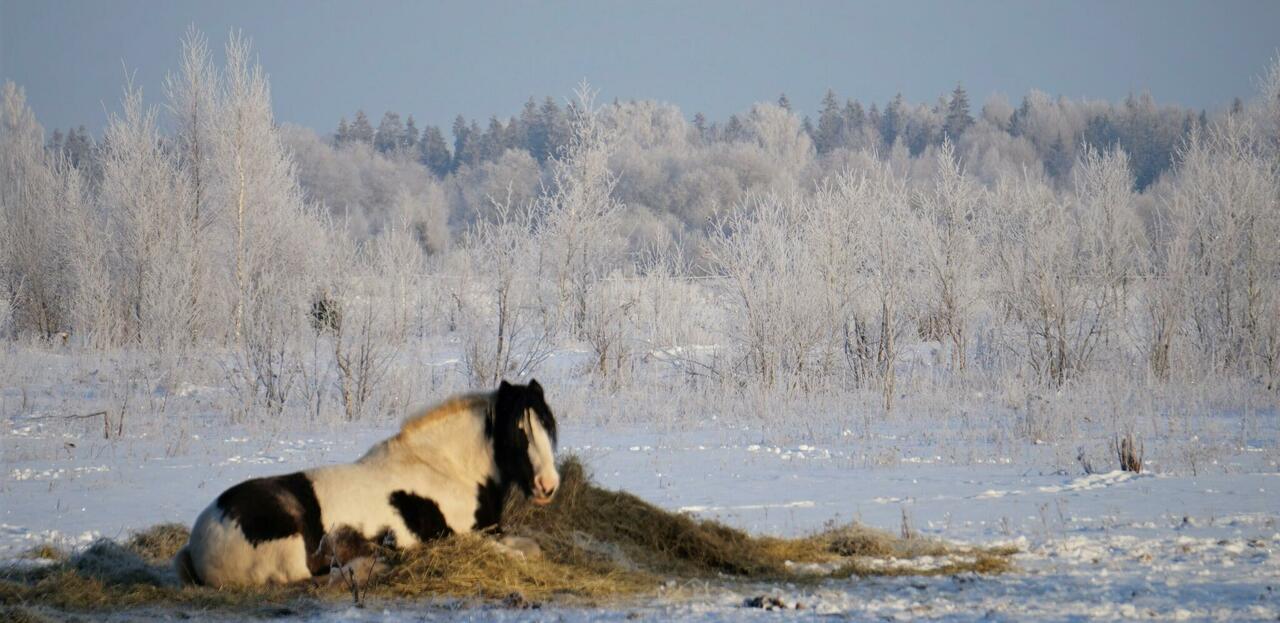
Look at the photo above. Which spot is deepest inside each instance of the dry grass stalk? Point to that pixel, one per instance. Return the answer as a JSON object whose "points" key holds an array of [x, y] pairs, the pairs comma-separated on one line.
{"points": [[1130, 453]]}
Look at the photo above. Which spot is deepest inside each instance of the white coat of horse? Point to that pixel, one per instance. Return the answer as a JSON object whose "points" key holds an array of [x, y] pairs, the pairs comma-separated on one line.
{"points": [[447, 471]]}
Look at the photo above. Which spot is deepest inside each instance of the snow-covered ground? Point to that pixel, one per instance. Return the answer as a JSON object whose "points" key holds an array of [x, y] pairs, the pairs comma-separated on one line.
{"points": [[1103, 546]]}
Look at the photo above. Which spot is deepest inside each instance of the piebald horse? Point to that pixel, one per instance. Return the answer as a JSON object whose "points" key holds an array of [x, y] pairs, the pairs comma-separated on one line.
{"points": [[447, 471]]}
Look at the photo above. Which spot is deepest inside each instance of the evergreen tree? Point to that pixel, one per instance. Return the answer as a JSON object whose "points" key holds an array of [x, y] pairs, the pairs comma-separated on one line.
{"points": [[361, 131], [1101, 133], [891, 123], [700, 126], [494, 141], [556, 122], [410, 138], [918, 134], [517, 134], [79, 148], [1018, 122], [462, 140], [733, 129], [784, 102], [873, 118], [433, 152], [475, 142], [390, 133], [830, 132], [55, 143], [534, 130], [854, 116], [1058, 161], [343, 134], [958, 117]]}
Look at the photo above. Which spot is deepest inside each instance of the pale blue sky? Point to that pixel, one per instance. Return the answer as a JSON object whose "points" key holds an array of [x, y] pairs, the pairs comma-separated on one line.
{"points": [[326, 59]]}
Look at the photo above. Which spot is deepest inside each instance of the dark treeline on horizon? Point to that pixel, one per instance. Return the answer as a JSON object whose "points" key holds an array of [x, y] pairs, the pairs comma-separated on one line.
{"points": [[1149, 133]]}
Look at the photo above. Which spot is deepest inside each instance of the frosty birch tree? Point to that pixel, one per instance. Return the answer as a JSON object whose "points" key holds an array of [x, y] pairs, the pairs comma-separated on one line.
{"points": [[952, 215], [1043, 279], [1113, 245], [759, 250], [271, 230], [150, 240], [377, 308], [1225, 203], [885, 262], [192, 104], [578, 214], [505, 330], [779, 133], [33, 250]]}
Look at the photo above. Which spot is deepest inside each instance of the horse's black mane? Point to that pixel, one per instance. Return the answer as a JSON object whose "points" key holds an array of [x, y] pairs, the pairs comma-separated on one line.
{"points": [[510, 443]]}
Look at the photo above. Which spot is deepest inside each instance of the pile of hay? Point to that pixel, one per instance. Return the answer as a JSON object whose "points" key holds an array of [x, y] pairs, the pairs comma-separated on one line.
{"points": [[587, 524], [597, 545]]}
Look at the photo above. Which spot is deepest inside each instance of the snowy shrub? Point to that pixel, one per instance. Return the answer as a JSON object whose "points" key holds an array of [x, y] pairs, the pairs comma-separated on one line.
{"points": [[505, 328]]}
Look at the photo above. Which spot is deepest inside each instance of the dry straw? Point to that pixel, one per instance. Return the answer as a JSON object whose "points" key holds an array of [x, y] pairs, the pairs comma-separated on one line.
{"points": [[598, 547]]}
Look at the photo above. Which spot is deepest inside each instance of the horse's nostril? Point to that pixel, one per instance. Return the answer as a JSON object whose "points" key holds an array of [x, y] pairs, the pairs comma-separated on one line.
{"points": [[551, 491]]}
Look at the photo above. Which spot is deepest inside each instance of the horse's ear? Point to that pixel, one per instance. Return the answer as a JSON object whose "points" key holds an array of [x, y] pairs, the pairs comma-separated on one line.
{"points": [[535, 387], [504, 386]]}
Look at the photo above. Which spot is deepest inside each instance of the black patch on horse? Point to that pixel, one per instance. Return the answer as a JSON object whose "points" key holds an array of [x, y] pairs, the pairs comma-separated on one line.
{"points": [[421, 515], [510, 443], [273, 508], [490, 497]]}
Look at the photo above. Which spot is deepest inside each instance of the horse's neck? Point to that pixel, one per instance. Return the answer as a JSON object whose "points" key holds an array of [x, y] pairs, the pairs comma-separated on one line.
{"points": [[454, 445]]}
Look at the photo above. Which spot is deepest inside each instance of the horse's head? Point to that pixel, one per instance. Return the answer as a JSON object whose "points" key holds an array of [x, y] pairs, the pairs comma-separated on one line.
{"points": [[524, 439]]}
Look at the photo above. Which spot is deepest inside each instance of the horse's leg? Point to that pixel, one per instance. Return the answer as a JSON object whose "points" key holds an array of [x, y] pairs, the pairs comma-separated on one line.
{"points": [[351, 553]]}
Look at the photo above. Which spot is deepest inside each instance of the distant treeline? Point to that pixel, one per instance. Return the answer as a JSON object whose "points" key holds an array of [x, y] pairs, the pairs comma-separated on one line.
{"points": [[1056, 127], [1149, 133]]}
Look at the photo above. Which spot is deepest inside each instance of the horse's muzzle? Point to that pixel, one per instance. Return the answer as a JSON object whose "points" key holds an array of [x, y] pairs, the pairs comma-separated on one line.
{"points": [[544, 489]]}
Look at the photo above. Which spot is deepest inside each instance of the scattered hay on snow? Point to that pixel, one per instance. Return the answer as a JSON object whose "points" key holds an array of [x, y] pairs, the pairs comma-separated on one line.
{"points": [[160, 543], [597, 545]]}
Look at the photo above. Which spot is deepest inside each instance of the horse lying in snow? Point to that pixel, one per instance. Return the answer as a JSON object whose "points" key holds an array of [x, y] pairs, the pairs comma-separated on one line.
{"points": [[447, 471]]}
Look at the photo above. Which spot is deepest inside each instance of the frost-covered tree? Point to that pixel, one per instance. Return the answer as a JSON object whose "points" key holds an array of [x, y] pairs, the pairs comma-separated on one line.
{"points": [[779, 134], [32, 244], [1051, 266], [578, 213], [953, 214], [1113, 247], [270, 231], [505, 330], [192, 104], [149, 222], [776, 327], [1225, 203]]}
